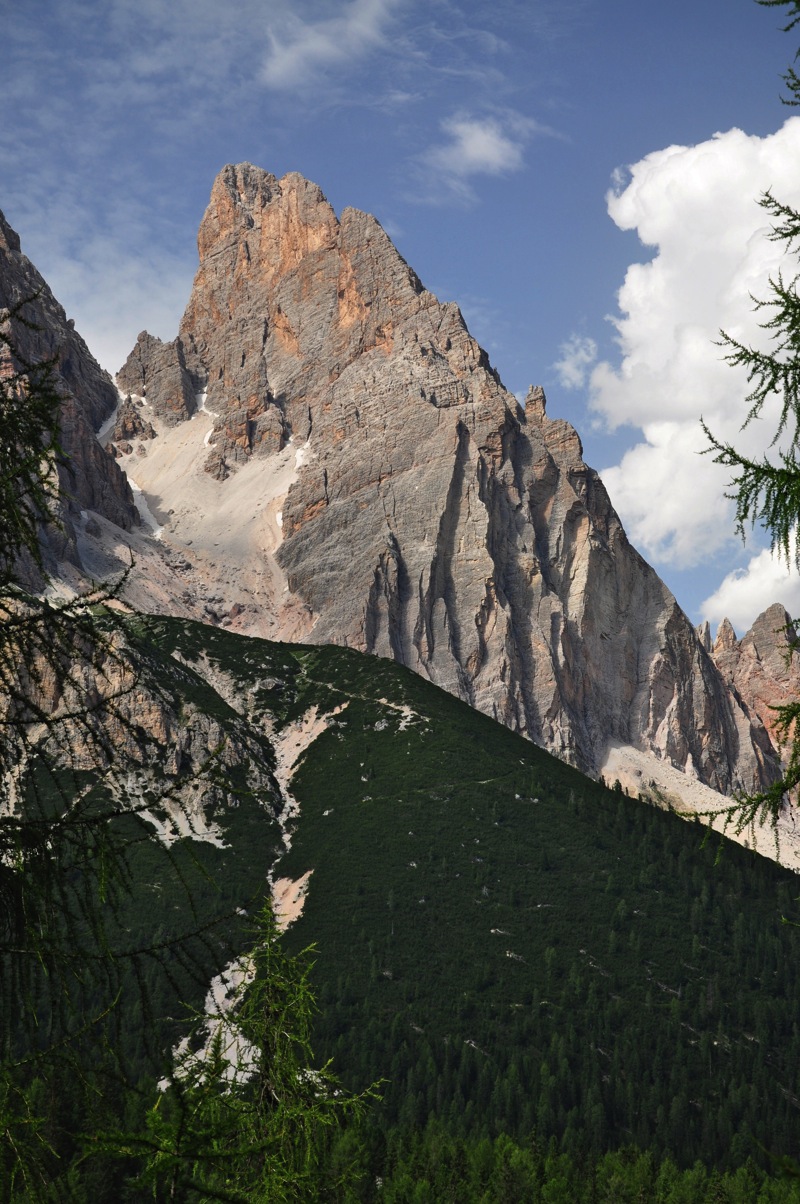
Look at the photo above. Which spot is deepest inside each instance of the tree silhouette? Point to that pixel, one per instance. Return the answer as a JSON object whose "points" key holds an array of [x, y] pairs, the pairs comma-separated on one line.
{"points": [[90, 746], [767, 490]]}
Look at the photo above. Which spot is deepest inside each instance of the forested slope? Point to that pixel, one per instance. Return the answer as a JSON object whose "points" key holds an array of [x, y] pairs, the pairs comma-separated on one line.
{"points": [[537, 967], [513, 946]]}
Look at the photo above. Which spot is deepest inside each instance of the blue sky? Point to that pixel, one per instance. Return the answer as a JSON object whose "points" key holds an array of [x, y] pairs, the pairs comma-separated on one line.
{"points": [[518, 152]]}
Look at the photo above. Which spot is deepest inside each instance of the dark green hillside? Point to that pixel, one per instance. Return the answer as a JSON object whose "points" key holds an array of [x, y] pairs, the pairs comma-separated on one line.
{"points": [[119, 935], [520, 953], [513, 946]]}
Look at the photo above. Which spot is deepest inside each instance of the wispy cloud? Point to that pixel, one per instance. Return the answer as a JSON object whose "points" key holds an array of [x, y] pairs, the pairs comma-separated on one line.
{"points": [[111, 286], [476, 147], [300, 50], [490, 145], [118, 116], [578, 354]]}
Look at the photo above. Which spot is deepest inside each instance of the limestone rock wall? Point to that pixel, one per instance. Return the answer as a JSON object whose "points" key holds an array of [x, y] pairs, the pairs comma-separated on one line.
{"points": [[91, 480], [104, 698], [429, 517], [157, 372], [433, 519], [758, 667]]}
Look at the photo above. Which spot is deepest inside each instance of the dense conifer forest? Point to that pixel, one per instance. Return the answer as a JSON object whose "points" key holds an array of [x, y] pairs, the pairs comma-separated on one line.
{"points": [[563, 993]]}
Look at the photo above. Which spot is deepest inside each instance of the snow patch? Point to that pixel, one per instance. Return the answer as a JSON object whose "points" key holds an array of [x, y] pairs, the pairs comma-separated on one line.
{"points": [[108, 425], [140, 502], [202, 408]]}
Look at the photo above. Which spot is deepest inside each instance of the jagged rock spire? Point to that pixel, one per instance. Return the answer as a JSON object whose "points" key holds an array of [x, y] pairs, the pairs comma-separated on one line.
{"points": [[433, 519]]}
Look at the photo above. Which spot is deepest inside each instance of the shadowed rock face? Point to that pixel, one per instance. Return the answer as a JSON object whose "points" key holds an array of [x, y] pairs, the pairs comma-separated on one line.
{"points": [[433, 519], [157, 371], [91, 480]]}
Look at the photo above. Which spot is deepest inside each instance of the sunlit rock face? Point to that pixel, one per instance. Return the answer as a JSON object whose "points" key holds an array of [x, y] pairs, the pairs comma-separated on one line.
{"points": [[336, 460], [433, 518], [762, 668]]}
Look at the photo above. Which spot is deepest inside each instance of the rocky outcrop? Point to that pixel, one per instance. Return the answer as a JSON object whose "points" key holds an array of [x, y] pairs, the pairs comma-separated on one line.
{"points": [[130, 423], [78, 691], [89, 479], [156, 371], [760, 668], [433, 518], [368, 480]]}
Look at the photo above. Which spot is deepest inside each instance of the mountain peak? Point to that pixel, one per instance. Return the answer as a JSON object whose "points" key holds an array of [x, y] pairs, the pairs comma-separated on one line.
{"points": [[328, 454], [726, 636], [418, 511], [9, 239]]}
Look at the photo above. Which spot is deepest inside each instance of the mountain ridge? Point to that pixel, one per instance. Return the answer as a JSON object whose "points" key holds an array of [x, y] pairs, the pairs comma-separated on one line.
{"points": [[476, 548], [88, 480], [335, 459]]}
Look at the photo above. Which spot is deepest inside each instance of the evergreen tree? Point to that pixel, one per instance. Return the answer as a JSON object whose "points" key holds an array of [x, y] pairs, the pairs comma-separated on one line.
{"points": [[80, 1117], [767, 490], [245, 1116]]}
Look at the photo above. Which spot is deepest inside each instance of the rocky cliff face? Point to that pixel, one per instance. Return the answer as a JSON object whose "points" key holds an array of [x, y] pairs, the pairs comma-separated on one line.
{"points": [[149, 735], [758, 668], [330, 456], [91, 480], [428, 517], [157, 371]]}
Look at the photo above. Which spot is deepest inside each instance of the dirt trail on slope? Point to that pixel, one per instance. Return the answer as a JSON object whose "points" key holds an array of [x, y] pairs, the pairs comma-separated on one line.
{"points": [[288, 895]]}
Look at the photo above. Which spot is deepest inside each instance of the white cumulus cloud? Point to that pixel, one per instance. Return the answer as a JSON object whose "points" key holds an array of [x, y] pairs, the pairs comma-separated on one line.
{"points": [[697, 207], [673, 509], [744, 594]]}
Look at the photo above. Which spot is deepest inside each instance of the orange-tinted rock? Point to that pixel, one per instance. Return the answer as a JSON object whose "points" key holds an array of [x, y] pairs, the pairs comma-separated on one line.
{"points": [[759, 667]]}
